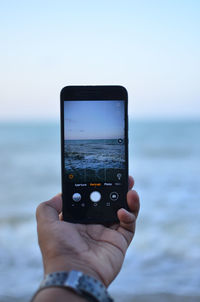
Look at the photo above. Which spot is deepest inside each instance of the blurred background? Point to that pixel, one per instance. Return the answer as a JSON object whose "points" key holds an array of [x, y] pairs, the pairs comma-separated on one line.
{"points": [[152, 48]]}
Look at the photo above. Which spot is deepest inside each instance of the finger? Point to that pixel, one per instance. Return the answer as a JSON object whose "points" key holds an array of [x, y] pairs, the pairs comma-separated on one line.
{"points": [[61, 216], [126, 219], [130, 182], [127, 224], [133, 202], [50, 210]]}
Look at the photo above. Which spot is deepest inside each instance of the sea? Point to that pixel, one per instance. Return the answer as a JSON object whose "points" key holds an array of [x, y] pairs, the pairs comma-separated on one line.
{"points": [[94, 160], [164, 159]]}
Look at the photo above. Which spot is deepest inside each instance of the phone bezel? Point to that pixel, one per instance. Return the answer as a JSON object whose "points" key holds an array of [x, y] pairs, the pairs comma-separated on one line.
{"points": [[113, 92]]}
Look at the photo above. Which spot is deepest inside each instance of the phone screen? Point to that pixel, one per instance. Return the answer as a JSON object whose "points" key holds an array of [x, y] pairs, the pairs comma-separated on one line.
{"points": [[94, 142], [94, 163]]}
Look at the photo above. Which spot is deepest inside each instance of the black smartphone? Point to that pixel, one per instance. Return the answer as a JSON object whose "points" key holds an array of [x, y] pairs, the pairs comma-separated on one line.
{"points": [[94, 152]]}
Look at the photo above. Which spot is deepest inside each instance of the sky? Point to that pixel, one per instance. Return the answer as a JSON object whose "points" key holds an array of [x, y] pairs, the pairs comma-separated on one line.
{"points": [[150, 47], [94, 119]]}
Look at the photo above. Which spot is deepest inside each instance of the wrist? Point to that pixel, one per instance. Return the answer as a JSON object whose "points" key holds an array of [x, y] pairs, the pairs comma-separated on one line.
{"points": [[84, 286], [57, 294], [64, 264]]}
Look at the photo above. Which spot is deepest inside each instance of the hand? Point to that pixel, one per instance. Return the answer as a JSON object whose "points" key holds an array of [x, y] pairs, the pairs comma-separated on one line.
{"points": [[94, 249]]}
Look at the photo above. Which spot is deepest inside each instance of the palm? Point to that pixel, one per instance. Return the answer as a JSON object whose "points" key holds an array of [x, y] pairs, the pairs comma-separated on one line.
{"points": [[97, 246], [91, 248]]}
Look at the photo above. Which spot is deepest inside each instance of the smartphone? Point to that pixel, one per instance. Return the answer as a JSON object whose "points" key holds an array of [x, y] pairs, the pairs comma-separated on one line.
{"points": [[94, 153]]}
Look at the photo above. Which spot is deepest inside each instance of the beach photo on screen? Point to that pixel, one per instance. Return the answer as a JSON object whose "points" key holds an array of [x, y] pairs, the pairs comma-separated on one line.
{"points": [[94, 140]]}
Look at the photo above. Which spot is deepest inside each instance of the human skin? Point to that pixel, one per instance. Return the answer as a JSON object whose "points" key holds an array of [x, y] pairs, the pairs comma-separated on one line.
{"points": [[94, 249]]}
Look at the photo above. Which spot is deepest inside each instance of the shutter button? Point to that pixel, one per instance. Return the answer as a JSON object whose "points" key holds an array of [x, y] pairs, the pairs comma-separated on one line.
{"points": [[95, 196]]}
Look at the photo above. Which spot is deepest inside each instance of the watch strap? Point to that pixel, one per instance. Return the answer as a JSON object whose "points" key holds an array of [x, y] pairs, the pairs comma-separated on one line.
{"points": [[84, 285]]}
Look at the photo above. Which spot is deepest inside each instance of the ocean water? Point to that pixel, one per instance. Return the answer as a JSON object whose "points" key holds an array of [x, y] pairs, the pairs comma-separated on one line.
{"points": [[94, 159], [165, 162]]}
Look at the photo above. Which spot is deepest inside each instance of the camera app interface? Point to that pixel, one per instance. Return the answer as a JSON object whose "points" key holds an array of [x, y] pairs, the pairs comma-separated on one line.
{"points": [[94, 150]]}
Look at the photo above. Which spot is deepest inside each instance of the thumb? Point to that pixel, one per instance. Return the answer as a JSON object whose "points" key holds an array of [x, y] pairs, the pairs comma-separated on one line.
{"points": [[49, 210]]}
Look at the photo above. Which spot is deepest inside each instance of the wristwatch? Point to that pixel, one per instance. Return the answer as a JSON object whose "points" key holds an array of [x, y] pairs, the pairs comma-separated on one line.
{"points": [[84, 285]]}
